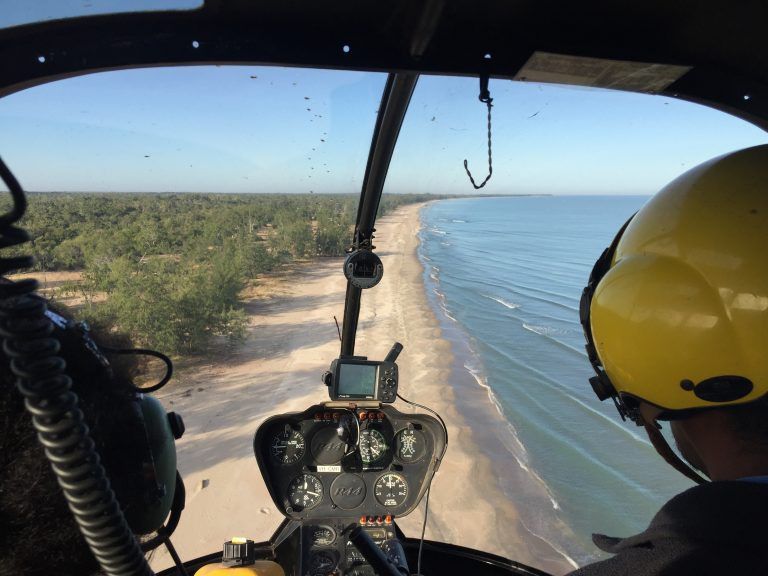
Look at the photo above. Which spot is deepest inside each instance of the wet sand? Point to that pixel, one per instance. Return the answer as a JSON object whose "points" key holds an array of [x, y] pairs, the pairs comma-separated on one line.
{"points": [[292, 339]]}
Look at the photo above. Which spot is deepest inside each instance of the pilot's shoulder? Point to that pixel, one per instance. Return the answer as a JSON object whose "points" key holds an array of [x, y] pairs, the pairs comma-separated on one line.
{"points": [[676, 556]]}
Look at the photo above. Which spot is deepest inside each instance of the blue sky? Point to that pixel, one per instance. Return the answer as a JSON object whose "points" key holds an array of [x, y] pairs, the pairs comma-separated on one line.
{"points": [[14, 12], [260, 129]]}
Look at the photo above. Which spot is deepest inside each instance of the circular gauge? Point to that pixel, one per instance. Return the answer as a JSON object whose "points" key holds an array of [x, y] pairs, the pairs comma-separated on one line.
{"points": [[391, 490], [323, 536], [322, 563], [305, 492], [348, 491], [327, 448], [287, 446], [410, 445], [373, 446]]}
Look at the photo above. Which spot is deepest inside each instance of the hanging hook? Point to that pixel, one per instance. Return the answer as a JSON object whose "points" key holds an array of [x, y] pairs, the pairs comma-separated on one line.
{"points": [[485, 94], [485, 98]]}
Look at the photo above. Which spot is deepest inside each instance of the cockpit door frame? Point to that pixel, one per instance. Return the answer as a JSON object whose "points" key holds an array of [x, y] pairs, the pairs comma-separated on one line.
{"points": [[394, 105]]}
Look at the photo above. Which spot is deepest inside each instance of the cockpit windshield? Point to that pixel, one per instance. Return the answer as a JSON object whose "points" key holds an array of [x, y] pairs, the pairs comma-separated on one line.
{"points": [[207, 211], [223, 129]]}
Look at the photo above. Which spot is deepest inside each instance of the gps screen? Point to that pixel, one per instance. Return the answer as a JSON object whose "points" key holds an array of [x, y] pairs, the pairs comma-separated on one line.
{"points": [[357, 380]]}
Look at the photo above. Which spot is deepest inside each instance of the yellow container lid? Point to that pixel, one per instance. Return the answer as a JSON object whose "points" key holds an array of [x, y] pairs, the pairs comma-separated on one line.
{"points": [[258, 568]]}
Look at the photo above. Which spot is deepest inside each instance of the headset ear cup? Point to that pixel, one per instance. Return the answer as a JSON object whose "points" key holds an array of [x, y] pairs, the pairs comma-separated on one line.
{"points": [[146, 487], [602, 386], [586, 300], [165, 532], [601, 383]]}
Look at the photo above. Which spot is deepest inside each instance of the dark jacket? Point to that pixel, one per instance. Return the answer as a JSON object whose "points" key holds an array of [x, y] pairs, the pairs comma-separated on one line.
{"points": [[713, 529]]}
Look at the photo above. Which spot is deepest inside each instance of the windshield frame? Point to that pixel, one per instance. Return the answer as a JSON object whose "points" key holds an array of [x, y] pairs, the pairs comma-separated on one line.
{"points": [[728, 72]]}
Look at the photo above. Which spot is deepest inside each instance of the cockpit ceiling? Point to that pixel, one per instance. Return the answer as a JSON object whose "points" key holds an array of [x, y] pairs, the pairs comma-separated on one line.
{"points": [[721, 42]]}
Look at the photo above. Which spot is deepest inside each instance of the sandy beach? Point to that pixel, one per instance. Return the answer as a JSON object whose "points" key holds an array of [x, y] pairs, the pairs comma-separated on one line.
{"points": [[292, 339]]}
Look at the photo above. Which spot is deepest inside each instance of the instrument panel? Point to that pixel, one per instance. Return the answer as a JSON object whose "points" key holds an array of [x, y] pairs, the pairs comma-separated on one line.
{"points": [[326, 548], [343, 462]]}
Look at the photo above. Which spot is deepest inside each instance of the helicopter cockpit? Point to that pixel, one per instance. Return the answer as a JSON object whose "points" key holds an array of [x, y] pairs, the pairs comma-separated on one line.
{"points": [[343, 471], [343, 474]]}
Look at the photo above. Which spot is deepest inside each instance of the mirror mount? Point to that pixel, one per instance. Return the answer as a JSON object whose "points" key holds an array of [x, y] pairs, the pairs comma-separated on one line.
{"points": [[363, 268]]}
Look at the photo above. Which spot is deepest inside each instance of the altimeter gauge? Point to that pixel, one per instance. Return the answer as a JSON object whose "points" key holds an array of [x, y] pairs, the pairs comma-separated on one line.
{"points": [[304, 492], [373, 446], [287, 446], [391, 490]]}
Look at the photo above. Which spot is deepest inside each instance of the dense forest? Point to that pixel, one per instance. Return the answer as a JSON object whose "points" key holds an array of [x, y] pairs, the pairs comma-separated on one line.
{"points": [[169, 269]]}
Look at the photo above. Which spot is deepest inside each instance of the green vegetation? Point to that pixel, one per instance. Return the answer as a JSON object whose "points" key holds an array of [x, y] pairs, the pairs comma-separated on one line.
{"points": [[169, 269]]}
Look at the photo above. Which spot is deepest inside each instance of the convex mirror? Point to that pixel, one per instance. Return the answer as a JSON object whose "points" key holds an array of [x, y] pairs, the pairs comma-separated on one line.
{"points": [[363, 269]]}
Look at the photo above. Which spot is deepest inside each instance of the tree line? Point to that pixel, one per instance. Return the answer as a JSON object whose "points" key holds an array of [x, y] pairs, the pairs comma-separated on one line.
{"points": [[168, 269]]}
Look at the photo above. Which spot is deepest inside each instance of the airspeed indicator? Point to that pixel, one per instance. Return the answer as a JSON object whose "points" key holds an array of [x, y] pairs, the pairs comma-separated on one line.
{"points": [[391, 490], [305, 492]]}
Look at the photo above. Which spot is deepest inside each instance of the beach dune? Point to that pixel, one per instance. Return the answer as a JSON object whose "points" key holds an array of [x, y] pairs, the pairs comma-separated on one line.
{"points": [[291, 341]]}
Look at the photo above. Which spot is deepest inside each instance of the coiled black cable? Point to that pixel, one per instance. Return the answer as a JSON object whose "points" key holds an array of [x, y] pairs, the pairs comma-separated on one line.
{"points": [[61, 429]]}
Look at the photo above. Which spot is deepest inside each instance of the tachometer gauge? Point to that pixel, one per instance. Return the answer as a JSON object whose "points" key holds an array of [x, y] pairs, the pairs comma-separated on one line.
{"points": [[373, 446], [391, 490], [287, 446], [305, 492]]}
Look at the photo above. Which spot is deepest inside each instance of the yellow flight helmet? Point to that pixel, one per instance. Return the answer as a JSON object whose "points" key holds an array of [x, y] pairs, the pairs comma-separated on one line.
{"points": [[676, 309]]}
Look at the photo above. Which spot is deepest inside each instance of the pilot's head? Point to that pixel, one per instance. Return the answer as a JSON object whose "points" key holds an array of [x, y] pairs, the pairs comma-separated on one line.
{"points": [[676, 310], [39, 534]]}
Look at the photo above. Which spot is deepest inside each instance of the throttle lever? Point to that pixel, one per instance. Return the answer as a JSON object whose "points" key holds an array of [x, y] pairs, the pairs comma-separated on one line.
{"points": [[395, 554], [378, 560]]}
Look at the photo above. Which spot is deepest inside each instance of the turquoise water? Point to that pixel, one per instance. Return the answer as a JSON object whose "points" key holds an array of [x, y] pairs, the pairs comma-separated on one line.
{"points": [[505, 275]]}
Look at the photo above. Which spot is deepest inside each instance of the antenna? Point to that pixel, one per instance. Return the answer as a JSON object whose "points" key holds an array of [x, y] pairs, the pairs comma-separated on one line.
{"points": [[394, 352]]}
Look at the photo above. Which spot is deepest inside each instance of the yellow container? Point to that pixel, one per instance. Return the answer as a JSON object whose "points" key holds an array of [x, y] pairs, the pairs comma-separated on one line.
{"points": [[258, 568]]}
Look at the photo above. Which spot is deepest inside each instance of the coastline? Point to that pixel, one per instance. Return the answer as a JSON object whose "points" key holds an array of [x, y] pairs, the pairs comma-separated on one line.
{"points": [[292, 339], [468, 506], [494, 437]]}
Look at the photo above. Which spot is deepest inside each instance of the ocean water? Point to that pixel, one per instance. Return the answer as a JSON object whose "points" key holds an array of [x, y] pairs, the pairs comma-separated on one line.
{"points": [[505, 276]]}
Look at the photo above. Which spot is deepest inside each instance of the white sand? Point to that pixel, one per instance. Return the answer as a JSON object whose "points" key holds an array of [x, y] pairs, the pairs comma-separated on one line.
{"points": [[291, 342]]}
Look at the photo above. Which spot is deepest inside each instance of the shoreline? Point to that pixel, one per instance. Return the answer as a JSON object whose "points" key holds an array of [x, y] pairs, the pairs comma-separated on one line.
{"points": [[292, 339], [467, 490], [497, 439]]}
